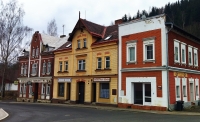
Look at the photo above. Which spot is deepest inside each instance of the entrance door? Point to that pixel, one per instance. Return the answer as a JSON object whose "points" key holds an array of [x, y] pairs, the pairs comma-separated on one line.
{"points": [[147, 94], [68, 90], [81, 92], [191, 92], [36, 92], [94, 92], [138, 93]]}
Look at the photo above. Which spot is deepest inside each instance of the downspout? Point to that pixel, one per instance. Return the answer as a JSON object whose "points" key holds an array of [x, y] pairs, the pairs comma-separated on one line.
{"points": [[167, 67]]}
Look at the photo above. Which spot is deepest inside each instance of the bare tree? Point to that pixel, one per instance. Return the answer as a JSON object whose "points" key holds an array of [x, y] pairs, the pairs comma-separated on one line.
{"points": [[12, 34], [52, 28]]}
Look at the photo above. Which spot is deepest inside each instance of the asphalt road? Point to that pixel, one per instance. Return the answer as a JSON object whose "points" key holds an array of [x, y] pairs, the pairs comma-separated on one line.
{"points": [[23, 112]]}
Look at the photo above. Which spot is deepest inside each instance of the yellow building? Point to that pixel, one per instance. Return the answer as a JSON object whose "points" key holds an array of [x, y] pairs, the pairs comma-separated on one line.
{"points": [[85, 69]]}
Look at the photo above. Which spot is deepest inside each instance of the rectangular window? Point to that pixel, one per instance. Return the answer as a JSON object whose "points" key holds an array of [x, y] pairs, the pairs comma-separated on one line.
{"points": [[34, 68], [176, 54], [131, 52], [107, 62], [60, 66], [177, 91], [44, 68], [37, 51], [33, 52], [43, 88], [177, 51], [61, 89], [84, 43], [24, 90], [25, 69], [184, 91], [104, 90], [49, 67], [78, 44], [30, 89], [149, 52], [21, 88], [81, 65], [197, 91], [183, 55], [22, 69], [66, 65], [195, 58], [190, 55], [98, 63], [47, 89]]}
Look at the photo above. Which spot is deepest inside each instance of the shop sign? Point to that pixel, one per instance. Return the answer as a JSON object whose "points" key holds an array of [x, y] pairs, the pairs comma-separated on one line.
{"points": [[180, 74], [101, 79], [16, 82], [64, 79]]}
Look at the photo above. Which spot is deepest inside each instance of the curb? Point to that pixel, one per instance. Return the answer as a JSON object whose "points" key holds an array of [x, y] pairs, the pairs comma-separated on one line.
{"points": [[5, 114], [117, 109]]}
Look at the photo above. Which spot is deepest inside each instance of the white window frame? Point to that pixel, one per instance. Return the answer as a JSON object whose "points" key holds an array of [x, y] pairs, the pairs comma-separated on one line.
{"points": [[66, 66], [128, 46], [22, 69], [60, 66], [84, 42], [44, 68], [176, 44], [33, 52], [82, 63], [196, 58], [178, 95], [47, 89], [98, 61], [34, 68], [190, 51], [106, 60], [78, 44], [145, 44], [183, 47], [184, 91], [48, 67]]}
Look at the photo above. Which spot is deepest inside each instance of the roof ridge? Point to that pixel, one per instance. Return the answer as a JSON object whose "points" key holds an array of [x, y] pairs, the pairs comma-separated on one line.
{"points": [[92, 22]]}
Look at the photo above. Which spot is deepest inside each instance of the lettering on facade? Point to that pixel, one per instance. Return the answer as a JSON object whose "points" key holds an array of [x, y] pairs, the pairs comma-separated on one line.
{"points": [[81, 35], [101, 79], [64, 79], [180, 74]]}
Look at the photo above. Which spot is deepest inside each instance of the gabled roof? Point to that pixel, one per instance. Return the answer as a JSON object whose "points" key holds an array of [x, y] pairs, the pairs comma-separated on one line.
{"points": [[52, 41], [66, 45], [96, 30]]}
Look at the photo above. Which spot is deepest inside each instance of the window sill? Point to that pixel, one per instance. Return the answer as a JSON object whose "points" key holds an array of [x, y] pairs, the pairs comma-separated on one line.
{"points": [[48, 73], [66, 71], [59, 72], [83, 48], [184, 96], [33, 74], [107, 69], [146, 61], [80, 70], [131, 62]]}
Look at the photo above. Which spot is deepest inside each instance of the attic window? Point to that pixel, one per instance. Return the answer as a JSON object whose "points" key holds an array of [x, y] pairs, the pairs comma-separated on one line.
{"points": [[68, 45], [108, 37]]}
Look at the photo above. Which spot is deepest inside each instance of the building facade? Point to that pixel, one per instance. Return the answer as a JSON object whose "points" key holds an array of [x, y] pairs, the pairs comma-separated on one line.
{"points": [[158, 65], [86, 68], [37, 67]]}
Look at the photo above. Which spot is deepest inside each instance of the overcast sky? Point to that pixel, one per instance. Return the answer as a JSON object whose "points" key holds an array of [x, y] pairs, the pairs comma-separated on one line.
{"points": [[66, 12]]}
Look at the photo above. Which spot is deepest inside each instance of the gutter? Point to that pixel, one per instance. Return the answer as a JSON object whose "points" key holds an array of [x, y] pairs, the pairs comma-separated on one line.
{"points": [[167, 67]]}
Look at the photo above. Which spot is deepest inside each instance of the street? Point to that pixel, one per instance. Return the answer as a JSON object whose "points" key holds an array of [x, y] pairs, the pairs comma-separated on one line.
{"points": [[27, 112]]}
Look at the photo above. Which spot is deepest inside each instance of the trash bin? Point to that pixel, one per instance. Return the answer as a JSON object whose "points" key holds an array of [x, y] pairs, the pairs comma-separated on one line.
{"points": [[179, 105]]}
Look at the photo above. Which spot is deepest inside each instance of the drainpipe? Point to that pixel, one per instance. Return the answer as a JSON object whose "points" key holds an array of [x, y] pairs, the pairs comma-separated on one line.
{"points": [[167, 67]]}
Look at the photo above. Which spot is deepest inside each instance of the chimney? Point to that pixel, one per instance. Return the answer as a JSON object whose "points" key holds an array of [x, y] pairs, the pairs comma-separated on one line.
{"points": [[119, 21], [62, 36]]}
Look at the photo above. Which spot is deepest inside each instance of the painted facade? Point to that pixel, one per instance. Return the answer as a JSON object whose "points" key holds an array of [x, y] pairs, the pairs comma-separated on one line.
{"points": [[36, 68], [158, 65], [86, 66]]}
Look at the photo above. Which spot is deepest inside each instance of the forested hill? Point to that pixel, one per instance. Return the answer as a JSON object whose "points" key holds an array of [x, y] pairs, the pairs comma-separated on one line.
{"points": [[183, 13]]}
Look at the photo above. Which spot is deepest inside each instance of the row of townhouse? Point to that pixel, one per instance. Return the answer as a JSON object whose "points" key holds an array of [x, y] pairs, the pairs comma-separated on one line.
{"points": [[142, 64]]}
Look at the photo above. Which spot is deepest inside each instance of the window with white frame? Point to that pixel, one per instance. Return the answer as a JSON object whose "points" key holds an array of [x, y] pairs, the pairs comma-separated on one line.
{"points": [[197, 91], [25, 69], [22, 69], [24, 90], [131, 52], [44, 68], [49, 67], [47, 89], [60, 66], [149, 50], [43, 88], [84, 43], [195, 57], [104, 90], [184, 91], [21, 88], [107, 62], [190, 61], [34, 68], [177, 91], [37, 51], [183, 53], [99, 62], [33, 52], [81, 65], [30, 89], [78, 44], [176, 51], [66, 65]]}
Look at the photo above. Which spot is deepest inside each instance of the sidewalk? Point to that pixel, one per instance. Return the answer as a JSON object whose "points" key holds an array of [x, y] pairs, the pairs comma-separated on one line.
{"points": [[117, 109], [3, 114]]}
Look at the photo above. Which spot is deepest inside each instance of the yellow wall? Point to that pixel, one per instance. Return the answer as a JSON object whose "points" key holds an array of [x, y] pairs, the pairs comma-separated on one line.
{"points": [[90, 56]]}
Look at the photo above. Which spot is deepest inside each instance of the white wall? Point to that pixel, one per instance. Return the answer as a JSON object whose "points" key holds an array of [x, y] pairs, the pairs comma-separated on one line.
{"points": [[11, 87]]}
